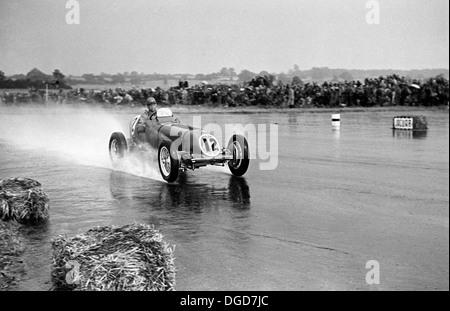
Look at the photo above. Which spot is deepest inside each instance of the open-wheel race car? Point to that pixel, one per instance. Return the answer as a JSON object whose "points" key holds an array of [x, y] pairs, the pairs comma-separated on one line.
{"points": [[180, 147]]}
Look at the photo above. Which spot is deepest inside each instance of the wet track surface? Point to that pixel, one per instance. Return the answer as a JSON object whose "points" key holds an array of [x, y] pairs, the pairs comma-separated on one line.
{"points": [[338, 198]]}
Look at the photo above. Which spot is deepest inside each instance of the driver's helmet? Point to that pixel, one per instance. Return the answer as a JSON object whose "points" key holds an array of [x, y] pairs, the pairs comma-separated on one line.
{"points": [[151, 104]]}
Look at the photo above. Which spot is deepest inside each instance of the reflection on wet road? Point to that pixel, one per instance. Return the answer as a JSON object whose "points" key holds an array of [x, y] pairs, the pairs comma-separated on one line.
{"points": [[184, 205]]}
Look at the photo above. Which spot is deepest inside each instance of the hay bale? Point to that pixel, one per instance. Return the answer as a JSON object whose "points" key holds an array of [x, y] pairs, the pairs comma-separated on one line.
{"points": [[22, 200], [12, 267], [420, 123], [130, 258]]}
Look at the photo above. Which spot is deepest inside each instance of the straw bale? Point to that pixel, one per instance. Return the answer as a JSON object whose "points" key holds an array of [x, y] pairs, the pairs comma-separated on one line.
{"points": [[23, 200], [129, 258]]}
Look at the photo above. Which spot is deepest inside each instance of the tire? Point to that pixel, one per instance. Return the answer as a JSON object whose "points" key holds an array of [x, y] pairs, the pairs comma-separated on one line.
{"points": [[169, 163], [238, 145], [117, 148]]}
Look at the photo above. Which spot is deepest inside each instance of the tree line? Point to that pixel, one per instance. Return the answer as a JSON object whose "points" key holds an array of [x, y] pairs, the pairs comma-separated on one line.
{"points": [[34, 79], [37, 79]]}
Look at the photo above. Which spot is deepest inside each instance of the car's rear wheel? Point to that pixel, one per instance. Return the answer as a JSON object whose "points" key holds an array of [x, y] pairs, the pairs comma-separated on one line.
{"points": [[238, 145], [117, 148], [169, 163]]}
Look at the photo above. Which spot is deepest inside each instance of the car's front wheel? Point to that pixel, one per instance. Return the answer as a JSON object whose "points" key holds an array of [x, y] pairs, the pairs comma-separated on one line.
{"points": [[238, 145], [117, 148], [169, 164]]}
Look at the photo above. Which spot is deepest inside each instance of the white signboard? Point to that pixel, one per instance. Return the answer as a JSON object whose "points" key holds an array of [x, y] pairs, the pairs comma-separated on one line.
{"points": [[403, 123]]}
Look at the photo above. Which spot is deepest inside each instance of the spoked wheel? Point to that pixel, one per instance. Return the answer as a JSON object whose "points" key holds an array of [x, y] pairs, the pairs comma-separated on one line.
{"points": [[117, 148], [169, 164], [241, 156]]}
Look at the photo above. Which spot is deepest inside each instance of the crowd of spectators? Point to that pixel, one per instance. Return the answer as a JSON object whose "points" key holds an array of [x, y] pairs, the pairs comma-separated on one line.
{"points": [[383, 91]]}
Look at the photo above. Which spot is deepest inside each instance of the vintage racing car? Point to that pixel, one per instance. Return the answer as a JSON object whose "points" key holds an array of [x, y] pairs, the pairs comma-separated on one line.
{"points": [[179, 146]]}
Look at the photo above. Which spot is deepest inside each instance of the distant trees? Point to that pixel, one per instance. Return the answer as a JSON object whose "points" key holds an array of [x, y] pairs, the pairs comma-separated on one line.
{"points": [[89, 78], [118, 78], [200, 76], [135, 78], [58, 76], [17, 77], [229, 73], [320, 73], [37, 75], [283, 78], [33, 79], [246, 75], [224, 72], [232, 73], [297, 81], [295, 71], [346, 76]]}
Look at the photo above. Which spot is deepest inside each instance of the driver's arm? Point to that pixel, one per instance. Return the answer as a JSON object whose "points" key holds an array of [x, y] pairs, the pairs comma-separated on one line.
{"points": [[152, 115]]}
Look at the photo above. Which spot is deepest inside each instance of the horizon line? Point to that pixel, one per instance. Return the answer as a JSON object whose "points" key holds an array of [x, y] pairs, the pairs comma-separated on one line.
{"points": [[282, 72]]}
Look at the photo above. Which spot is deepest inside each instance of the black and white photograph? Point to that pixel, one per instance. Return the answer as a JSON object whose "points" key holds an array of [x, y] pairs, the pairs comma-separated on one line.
{"points": [[224, 150]]}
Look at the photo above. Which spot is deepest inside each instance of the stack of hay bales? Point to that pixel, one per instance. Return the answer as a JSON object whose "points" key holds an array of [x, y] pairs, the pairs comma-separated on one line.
{"points": [[22, 200], [129, 258], [420, 123]]}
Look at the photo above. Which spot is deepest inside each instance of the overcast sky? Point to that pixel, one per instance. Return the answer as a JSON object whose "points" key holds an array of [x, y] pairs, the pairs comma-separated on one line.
{"points": [[202, 36]]}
